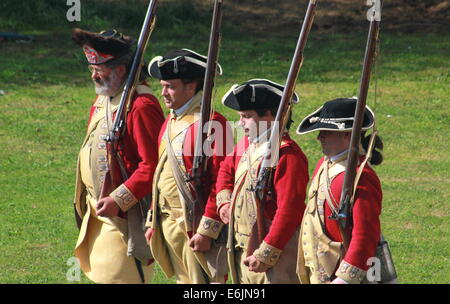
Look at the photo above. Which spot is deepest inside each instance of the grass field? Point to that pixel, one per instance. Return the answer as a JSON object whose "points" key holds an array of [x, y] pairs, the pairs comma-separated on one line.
{"points": [[44, 110]]}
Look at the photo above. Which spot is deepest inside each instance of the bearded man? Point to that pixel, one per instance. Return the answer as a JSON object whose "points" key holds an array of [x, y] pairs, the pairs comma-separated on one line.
{"points": [[105, 246]]}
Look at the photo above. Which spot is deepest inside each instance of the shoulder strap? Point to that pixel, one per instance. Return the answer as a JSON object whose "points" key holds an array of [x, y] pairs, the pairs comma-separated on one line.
{"points": [[179, 175], [363, 164], [327, 191]]}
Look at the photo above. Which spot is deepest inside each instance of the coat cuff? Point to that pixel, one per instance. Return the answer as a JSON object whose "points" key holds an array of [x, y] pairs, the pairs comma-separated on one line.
{"points": [[267, 254], [350, 273], [123, 197], [209, 227], [222, 198]]}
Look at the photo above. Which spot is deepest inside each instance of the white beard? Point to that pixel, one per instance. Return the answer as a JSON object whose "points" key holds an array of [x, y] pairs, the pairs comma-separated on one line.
{"points": [[109, 86]]}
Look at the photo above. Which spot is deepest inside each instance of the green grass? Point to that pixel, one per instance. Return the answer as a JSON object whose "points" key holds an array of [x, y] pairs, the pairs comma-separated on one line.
{"points": [[44, 112]]}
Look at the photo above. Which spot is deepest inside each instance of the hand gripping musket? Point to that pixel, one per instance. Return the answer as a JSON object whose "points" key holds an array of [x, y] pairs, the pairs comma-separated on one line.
{"points": [[119, 125], [200, 158], [270, 158], [344, 213]]}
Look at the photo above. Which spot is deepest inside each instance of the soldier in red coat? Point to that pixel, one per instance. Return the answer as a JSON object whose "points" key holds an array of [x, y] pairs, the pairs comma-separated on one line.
{"points": [[320, 245], [191, 254], [275, 258], [111, 247]]}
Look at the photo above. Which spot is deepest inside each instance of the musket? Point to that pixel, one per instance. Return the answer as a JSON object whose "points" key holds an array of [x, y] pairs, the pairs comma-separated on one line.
{"points": [[133, 76], [200, 158], [119, 124], [270, 157], [344, 213]]}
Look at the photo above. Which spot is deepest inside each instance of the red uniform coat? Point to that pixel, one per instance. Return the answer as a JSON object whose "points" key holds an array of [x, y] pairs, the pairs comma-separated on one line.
{"points": [[138, 146], [366, 216], [290, 181], [102, 245], [223, 141]]}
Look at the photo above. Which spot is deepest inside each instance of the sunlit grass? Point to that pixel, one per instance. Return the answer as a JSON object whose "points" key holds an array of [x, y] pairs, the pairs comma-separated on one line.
{"points": [[48, 93]]}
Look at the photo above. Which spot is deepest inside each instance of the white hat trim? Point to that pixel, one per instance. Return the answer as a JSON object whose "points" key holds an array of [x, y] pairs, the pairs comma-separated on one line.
{"points": [[201, 63], [187, 58], [332, 121], [237, 89], [234, 86]]}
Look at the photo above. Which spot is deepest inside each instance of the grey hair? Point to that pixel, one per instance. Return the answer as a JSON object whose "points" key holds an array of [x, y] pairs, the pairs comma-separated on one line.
{"points": [[126, 60]]}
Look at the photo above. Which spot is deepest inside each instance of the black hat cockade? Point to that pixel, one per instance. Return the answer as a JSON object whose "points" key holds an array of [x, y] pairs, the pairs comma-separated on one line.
{"points": [[255, 94], [335, 115], [179, 64], [102, 47]]}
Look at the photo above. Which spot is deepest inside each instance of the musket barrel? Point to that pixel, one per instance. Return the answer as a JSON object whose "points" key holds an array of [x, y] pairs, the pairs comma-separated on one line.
{"points": [[200, 159], [360, 107], [297, 62], [135, 69], [208, 85], [270, 157], [352, 161], [282, 116]]}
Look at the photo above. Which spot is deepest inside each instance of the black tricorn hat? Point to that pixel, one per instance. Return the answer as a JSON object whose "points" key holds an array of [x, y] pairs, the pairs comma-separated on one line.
{"points": [[102, 47], [179, 64], [255, 94], [335, 115]]}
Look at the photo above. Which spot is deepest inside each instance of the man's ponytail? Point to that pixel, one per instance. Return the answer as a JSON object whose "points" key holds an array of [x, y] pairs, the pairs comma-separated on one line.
{"points": [[377, 156]]}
